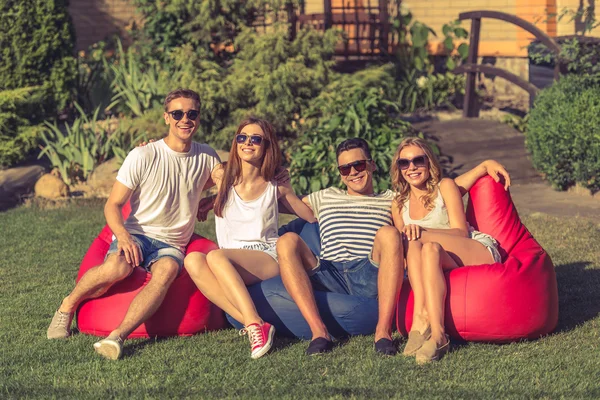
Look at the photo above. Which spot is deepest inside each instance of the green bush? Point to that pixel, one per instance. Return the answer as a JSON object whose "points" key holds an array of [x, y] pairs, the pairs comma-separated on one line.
{"points": [[341, 113], [77, 148], [137, 86], [276, 78], [37, 43], [20, 110], [211, 25], [563, 132]]}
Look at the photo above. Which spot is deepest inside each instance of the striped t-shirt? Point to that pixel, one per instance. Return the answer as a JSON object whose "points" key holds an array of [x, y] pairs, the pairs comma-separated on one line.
{"points": [[347, 223]]}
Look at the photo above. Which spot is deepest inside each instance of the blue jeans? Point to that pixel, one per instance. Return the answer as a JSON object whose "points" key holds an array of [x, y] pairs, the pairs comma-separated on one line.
{"points": [[356, 277], [152, 251]]}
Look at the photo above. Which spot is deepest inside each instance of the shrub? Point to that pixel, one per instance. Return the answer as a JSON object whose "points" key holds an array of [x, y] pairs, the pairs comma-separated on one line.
{"points": [[210, 25], [37, 41], [276, 78], [339, 115], [563, 132], [19, 109], [77, 148], [137, 87], [427, 92]]}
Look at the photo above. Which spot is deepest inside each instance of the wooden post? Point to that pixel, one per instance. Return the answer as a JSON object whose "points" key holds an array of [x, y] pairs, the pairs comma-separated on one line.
{"points": [[328, 14], [470, 106], [384, 21], [292, 19]]}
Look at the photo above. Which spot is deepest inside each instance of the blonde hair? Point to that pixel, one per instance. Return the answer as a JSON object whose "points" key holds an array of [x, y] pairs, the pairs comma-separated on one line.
{"points": [[402, 187]]}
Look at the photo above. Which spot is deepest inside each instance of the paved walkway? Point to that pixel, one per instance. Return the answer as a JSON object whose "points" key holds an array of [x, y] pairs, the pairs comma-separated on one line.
{"points": [[467, 142]]}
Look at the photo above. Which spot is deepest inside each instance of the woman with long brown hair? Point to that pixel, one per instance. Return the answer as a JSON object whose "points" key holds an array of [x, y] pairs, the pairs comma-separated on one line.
{"points": [[429, 210], [246, 213]]}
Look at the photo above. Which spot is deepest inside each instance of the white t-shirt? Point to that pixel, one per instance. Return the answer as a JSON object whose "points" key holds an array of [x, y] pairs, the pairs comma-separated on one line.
{"points": [[248, 224], [167, 188]]}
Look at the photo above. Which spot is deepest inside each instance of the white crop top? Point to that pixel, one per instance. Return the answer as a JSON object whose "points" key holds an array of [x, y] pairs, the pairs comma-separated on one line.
{"points": [[247, 223]]}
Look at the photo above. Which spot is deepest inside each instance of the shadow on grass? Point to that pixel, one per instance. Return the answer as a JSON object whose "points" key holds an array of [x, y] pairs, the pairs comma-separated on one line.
{"points": [[578, 294]]}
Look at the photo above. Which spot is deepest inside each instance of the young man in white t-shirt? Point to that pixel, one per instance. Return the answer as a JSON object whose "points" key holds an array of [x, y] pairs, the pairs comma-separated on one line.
{"points": [[361, 250], [163, 182]]}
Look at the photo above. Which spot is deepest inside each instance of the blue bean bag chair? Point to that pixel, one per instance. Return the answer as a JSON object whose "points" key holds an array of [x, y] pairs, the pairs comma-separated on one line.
{"points": [[344, 315]]}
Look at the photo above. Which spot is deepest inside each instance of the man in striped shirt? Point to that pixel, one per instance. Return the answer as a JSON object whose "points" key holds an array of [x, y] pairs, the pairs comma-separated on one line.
{"points": [[361, 250]]}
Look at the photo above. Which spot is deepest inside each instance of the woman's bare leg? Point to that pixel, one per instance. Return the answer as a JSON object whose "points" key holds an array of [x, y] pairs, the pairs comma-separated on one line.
{"points": [[415, 276], [464, 251], [197, 267], [235, 269]]}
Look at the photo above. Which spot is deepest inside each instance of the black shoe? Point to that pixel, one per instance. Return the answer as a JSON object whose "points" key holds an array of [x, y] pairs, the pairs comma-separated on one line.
{"points": [[319, 346], [385, 347]]}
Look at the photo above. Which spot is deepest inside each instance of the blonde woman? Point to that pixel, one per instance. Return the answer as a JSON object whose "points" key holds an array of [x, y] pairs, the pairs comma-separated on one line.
{"points": [[429, 210]]}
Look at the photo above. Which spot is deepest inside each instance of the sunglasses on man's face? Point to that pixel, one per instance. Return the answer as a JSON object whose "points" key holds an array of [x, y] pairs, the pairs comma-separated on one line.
{"points": [[254, 139], [418, 162], [359, 166], [178, 114]]}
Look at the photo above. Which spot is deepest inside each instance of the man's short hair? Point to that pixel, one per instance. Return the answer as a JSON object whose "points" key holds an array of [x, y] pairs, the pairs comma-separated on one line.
{"points": [[354, 143], [178, 93]]}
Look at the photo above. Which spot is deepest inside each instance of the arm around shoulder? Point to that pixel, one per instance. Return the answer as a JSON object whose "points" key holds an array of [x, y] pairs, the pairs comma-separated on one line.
{"points": [[292, 203]]}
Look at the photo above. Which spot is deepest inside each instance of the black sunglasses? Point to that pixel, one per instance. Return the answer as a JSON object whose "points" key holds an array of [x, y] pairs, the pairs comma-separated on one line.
{"points": [[178, 114], [418, 162], [359, 166], [254, 139]]}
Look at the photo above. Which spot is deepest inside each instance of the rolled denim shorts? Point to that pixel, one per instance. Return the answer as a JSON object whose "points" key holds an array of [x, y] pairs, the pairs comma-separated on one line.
{"points": [[152, 251], [356, 277]]}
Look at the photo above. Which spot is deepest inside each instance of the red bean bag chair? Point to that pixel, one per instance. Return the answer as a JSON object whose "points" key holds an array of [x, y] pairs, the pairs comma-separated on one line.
{"points": [[184, 311], [501, 302]]}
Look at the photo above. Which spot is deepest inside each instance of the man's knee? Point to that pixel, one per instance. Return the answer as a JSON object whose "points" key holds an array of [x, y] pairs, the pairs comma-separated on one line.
{"points": [[165, 270], [389, 236], [116, 268], [287, 243]]}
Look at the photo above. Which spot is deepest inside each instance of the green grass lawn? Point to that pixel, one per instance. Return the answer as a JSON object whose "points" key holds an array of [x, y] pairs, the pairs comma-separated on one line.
{"points": [[40, 251]]}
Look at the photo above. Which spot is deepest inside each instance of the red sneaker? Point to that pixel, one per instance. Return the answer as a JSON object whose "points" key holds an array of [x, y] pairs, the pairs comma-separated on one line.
{"points": [[261, 338]]}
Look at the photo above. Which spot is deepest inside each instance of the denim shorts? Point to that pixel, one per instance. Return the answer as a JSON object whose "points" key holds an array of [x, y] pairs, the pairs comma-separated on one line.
{"points": [[356, 277], [152, 251]]}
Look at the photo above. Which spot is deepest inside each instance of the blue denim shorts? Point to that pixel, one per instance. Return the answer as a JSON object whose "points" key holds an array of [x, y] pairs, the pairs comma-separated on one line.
{"points": [[356, 277], [152, 251]]}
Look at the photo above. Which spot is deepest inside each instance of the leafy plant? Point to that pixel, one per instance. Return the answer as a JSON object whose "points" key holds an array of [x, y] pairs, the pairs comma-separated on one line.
{"points": [[359, 112], [77, 148], [20, 110], [136, 87], [563, 132], [37, 40], [414, 41], [516, 122], [276, 78], [428, 92]]}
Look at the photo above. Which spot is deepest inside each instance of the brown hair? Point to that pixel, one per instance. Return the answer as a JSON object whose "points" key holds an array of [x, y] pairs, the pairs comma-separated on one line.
{"points": [[402, 187], [178, 93], [233, 169]]}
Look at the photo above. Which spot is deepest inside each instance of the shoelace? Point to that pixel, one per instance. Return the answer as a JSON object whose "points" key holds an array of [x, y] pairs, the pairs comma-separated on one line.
{"points": [[254, 335], [64, 318]]}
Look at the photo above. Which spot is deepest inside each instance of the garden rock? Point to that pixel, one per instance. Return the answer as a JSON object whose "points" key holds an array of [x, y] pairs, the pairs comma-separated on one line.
{"points": [[17, 182], [103, 177], [51, 187]]}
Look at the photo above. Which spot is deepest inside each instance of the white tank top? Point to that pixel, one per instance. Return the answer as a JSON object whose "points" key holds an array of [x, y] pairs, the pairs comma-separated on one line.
{"points": [[246, 224], [437, 218]]}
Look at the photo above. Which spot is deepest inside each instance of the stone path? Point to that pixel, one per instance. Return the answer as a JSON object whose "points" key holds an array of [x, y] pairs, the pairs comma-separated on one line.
{"points": [[470, 141]]}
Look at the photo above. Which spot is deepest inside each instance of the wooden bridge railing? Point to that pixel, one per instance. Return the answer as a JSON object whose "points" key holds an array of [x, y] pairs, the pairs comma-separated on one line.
{"points": [[471, 68]]}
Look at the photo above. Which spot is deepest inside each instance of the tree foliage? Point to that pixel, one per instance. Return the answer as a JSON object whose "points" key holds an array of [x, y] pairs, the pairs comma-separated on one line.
{"points": [[37, 42]]}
